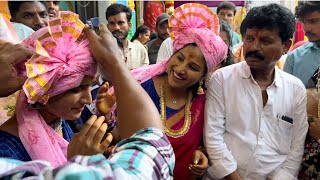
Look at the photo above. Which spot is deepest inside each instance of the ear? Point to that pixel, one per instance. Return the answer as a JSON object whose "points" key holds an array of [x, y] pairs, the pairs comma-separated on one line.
{"points": [[140, 35], [286, 46], [130, 25]]}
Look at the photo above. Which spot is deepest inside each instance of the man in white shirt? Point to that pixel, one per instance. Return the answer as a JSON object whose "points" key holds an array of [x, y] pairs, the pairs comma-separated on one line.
{"points": [[118, 17], [256, 120]]}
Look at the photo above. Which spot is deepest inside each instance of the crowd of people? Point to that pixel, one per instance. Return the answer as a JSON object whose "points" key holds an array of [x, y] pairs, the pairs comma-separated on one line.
{"points": [[198, 101]]}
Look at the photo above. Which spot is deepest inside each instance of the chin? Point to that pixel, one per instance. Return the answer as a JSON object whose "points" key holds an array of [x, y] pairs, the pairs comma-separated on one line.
{"points": [[72, 117]]}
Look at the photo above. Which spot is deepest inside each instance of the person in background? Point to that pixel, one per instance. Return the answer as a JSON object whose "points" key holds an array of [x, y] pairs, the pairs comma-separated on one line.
{"points": [[141, 36], [226, 11], [226, 35], [176, 85], [145, 149], [304, 61], [162, 32], [256, 106], [53, 8], [118, 17], [33, 14]]}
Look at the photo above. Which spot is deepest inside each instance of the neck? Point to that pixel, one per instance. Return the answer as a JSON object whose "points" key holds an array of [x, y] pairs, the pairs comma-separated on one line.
{"points": [[158, 42], [263, 77], [48, 117], [125, 43]]}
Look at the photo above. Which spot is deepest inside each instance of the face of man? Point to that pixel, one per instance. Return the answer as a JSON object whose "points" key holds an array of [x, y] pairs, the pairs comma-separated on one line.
{"points": [[163, 30], [32, 14], [311, 26], [119, 26], [226, 15], [53, 8], [262, 48]]}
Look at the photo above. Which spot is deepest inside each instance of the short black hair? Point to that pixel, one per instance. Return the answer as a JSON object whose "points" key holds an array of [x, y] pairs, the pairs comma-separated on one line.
{"points": [[142, 29], [269, 17], [306, 7], [115, 9], [14, 6], [227, 5]]}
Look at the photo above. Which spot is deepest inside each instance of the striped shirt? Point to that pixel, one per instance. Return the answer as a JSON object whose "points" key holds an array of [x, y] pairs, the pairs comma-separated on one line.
{"points": [[145, 155]]}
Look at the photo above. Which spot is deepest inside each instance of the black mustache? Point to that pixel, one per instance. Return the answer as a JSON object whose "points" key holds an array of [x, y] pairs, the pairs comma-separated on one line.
{"points": [[255, 54]]}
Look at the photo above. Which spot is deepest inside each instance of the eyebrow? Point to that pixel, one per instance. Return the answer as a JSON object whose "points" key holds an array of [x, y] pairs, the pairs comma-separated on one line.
{"points": [[181, 54]]}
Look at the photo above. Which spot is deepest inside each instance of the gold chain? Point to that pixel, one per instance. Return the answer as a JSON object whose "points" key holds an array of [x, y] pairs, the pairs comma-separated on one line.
{"points": [[187, 114]]}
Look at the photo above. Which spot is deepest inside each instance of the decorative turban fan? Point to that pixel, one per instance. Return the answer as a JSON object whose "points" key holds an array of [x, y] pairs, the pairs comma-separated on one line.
{"points": [[60, 62], [190, 23]]}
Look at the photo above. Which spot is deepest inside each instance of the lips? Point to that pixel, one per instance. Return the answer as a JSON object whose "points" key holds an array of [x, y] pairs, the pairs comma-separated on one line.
{"points": [[79, 109], [176, 76]]}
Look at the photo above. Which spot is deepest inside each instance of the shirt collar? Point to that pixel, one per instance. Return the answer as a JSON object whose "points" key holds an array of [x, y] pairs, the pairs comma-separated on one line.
{"points": [[312, 45], [130, 44], [246, 74]]}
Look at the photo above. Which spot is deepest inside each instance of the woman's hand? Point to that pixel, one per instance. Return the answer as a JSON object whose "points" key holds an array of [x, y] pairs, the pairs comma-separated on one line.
{"points": [[90, 140], [200, 163], [104, 100]]}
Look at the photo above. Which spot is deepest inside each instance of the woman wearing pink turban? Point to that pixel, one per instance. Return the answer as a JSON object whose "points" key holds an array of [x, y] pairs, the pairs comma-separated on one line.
{"points": [[59, 73], [175, 85]]}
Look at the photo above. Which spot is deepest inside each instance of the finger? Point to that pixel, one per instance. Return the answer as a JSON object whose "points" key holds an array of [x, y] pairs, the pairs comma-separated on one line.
{"points": [[95, 127], [107, 86], [107, 141], [100, 133], [201, 167], [102, 89], [104, 32], [86, 127], [195, 171], [20, 55], [90, 34], [196, 157]]}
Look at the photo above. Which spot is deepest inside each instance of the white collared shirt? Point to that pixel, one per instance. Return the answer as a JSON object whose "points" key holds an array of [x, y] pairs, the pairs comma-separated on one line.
{"points": [[240, 134], [136, 55]]}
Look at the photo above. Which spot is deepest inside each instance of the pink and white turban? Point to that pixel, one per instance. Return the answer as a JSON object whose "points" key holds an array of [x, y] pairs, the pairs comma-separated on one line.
{"points": [[190, 23], [60, 62]]}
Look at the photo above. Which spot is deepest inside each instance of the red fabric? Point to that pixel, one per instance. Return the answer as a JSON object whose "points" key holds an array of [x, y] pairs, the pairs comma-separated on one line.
{"points": [[152, 11], [299, 32], [184, 146]]}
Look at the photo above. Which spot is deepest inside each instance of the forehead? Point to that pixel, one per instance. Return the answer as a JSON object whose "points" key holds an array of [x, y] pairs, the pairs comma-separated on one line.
{"points": [[118, 17], [193, 53], [258, 33], [226, 11], [312, 15], [32, 7]]}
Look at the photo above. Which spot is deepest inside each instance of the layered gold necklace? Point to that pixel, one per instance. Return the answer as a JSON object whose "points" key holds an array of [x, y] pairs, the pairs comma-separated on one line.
{"points": [[187, 114]]}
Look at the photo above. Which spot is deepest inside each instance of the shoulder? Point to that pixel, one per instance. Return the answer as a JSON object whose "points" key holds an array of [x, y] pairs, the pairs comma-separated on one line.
{"points": [[12, 147], [301, 51], [289, 79]]}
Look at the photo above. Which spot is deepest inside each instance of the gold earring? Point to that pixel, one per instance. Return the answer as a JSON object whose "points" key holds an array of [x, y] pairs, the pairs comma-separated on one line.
{"points": [[200, 89]]}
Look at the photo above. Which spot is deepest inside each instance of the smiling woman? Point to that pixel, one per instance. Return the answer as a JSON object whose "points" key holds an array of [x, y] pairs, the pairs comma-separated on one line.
{"points": [[59, 76], [175, 85]]}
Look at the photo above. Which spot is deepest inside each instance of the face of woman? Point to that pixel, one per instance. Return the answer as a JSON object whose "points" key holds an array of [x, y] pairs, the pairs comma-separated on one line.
{"points": [[144, 37], [224, 37], [70, 104], [186, 67]]}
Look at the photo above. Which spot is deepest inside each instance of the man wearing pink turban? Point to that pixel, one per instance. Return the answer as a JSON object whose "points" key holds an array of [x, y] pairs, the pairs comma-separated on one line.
{"points": [[175, 85], [59, 73]]}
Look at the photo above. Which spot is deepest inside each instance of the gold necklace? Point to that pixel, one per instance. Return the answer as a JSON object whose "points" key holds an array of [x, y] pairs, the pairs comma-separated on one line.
{"points": [[187, 114]]}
